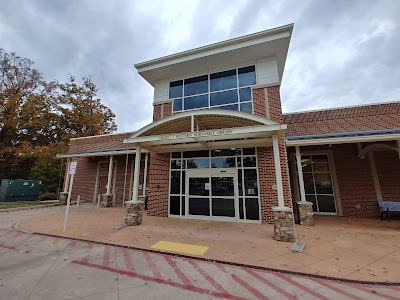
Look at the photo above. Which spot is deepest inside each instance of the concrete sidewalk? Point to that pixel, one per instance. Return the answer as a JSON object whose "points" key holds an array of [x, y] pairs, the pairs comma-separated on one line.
{"points": [[365, 250], [41, 267]]}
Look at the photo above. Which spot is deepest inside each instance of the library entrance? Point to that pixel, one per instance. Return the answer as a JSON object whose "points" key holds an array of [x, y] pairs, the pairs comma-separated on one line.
{"points": [[211, 196]]}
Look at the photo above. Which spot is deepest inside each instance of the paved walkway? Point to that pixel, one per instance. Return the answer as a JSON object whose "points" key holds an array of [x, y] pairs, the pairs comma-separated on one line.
{"points": [[41, 267], [354, 249]]}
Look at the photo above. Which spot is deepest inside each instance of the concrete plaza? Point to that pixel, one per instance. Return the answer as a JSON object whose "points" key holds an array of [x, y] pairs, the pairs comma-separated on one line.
{"points": [[353, 249]]}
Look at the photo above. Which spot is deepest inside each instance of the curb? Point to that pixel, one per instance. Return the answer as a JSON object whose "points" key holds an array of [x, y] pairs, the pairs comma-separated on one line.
{"points": [[217, 261], [28, 207]]}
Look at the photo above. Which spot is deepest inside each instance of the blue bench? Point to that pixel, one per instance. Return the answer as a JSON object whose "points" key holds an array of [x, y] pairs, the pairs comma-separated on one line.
{"points": [[388, 207]]}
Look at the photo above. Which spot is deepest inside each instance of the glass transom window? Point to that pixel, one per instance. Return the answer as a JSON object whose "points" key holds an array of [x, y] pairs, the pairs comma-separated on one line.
{"points": [[229, 90]]}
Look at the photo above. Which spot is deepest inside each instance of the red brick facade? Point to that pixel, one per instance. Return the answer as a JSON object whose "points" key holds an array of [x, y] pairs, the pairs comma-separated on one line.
{"points": [[355, 186], [157, 204], [356, 190]]}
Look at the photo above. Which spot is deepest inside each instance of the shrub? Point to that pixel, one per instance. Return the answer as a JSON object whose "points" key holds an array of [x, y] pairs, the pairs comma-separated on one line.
{"points": [[47, 196]]}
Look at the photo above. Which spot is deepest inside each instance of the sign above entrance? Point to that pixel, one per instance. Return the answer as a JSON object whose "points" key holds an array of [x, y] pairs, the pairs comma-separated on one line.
{"points": [[185, 135]]}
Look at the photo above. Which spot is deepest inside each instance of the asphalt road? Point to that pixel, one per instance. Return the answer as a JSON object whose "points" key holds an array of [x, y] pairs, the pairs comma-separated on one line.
{"points": [[40, 267]]}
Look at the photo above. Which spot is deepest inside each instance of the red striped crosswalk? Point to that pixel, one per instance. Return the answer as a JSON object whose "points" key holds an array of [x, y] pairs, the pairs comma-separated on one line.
{"points": [[198, 276]]}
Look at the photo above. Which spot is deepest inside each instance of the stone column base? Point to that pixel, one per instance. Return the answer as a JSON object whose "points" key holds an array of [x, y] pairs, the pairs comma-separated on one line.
{"points": [[134, 213], [283, 224], [63, 198], [106, 200], [306, 213]]}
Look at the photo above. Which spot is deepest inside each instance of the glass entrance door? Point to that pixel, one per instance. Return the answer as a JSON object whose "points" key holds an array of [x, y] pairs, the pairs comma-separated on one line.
{"points": [[211, 196]]}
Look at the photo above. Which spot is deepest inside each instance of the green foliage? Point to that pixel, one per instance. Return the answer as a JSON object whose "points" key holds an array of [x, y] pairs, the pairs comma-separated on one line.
{"points": [[48, 168], [37, 119]]}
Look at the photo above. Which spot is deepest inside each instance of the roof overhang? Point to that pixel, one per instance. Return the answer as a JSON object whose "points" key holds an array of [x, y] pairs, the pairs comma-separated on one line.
{"points": [[237, 51], [93, 153], [344, 138], [206, 129]]}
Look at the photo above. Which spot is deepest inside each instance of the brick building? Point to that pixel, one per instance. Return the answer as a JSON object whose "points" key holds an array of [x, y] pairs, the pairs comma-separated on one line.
{"points": [[219, 147]]}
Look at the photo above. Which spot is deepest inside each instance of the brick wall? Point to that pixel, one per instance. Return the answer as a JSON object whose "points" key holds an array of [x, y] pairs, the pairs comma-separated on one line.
{"points": [[85, 177], [101, 142], [355, 183], [388, 169], [157, 204], [162, 110]]}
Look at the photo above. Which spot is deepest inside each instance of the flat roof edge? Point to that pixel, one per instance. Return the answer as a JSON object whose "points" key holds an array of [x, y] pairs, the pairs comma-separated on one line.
{"points": [[288, 27]]}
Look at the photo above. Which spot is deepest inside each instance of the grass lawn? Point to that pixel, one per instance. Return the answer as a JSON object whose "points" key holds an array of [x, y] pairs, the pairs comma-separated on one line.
{"points": [[4, 205]]}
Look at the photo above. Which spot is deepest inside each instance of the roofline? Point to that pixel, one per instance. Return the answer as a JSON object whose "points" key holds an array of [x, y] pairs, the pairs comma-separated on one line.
{"points": [[100, 135], [222, 112], [342, 140], [131, 150], [288, 27], [340, 107]]}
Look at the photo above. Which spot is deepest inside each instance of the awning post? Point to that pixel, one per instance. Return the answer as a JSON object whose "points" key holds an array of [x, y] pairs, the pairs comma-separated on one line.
{"points": [[278, 172], [110, 170], [137, 173], [300, 173], [146, 159]]}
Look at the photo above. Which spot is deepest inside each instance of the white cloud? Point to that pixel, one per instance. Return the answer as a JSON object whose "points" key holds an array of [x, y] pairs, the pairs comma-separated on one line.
{"points": [[341, 53]]}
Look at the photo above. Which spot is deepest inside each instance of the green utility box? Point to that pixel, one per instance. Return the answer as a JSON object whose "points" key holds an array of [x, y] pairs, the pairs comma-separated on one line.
{"points": [[13, 190]]}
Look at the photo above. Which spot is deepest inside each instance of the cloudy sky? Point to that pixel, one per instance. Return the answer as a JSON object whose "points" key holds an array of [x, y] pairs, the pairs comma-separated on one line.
{"points": [[342, 52]]}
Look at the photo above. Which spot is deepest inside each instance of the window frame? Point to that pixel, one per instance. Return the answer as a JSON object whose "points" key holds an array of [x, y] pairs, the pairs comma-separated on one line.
{"points": [[221, 106]]}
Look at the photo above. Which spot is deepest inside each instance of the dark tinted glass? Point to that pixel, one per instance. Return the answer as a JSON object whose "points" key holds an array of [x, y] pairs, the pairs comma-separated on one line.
{"points": [[199, 206], [225, 152], [176, 154], [222, 162], [239, 162], [326, 204], [196, 85], [306, 163], [249, 151], [229, 107], [199, 163], [240, 182], [308, 183], [174, 205], [176, 164], [247, 76], [245, 94], [241, 214], [183, 182], [190, 154], [223, 80], [196, 102], [178, 104], [222, 207], [323, 183], [320, 167], [249, 161], [175, 182], [223, 97], [250, 182], [252, 209], [246, 107], [175, 89], [311, 198], [222, 186], [197, 186], [183, 205], [319, 158]]}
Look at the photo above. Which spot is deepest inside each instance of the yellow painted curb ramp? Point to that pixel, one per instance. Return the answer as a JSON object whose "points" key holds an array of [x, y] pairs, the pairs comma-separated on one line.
{"points": [[180, 248]]}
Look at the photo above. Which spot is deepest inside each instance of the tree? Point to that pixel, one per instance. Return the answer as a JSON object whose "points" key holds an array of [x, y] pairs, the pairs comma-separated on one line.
{"points": [[37, 119], [18, 81]]}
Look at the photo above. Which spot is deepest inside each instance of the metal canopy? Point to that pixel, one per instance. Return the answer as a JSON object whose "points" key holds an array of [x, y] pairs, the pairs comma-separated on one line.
{"points": [[206, 129]]}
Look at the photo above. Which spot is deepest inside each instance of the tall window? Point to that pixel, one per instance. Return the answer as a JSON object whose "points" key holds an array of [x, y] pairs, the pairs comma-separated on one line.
{"points": [[318, 183], [223, 90]]}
